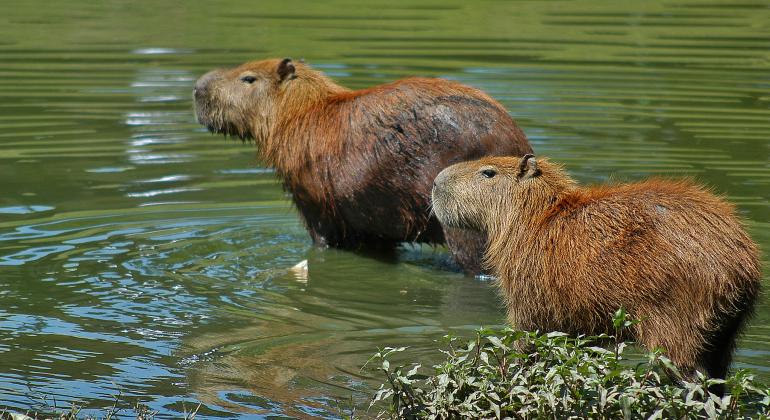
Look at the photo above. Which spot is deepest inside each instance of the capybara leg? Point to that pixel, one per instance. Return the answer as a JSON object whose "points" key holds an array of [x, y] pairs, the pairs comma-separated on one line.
{"points": [[718, 356], [676, 340], [324, 237], [324, 232], [467, 248], [318, 239], [717, 360]]}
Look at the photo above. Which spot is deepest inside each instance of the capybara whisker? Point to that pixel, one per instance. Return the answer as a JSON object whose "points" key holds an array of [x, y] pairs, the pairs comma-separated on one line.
{"points": [[430, 209], [567, 256], [359, 164]]}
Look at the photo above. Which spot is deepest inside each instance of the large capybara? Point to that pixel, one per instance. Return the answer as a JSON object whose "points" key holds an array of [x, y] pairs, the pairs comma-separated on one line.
{"points": [[360, 163], [566, 257]]}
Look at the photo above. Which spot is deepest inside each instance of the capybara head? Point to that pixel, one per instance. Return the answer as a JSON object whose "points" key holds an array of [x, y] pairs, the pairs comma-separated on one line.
{"points": [[243, 101], [480, 194]]}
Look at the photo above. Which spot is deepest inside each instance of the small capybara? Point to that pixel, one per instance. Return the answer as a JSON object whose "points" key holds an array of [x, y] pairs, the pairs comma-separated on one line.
{"points": [[360, 163], [567, 257]]}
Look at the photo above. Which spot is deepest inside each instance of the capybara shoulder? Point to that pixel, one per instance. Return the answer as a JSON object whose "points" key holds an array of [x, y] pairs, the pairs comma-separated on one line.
{"points": [[567, 256], [360, 163]]}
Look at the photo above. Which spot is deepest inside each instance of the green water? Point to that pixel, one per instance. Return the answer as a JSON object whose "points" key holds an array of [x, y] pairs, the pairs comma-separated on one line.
{"points": [[140, 254]]}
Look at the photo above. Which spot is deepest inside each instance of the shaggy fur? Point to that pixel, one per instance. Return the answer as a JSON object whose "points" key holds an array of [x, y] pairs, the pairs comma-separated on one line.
{"points": [[360, 164], [567, 256]]}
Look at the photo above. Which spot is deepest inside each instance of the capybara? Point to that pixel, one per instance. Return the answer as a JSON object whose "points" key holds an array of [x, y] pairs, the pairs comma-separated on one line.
{"points": [[360, 163], [567, 257]]}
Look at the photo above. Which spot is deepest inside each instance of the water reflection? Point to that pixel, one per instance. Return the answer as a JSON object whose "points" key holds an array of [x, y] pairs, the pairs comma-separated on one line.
{"points": [[138, 253], [305, 345]]}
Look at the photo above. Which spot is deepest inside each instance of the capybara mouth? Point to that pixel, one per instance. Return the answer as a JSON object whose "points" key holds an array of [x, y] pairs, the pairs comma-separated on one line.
{"points": [[440, 204], [218, 126], [210, 116], [228, 130]]}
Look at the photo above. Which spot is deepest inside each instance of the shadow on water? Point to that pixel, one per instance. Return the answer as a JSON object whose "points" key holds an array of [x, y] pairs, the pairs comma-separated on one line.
{"points": [[139, 254]]}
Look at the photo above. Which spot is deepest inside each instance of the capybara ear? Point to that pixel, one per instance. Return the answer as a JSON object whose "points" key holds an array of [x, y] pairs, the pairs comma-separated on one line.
{"points": [[286, 69], [528, 167]]}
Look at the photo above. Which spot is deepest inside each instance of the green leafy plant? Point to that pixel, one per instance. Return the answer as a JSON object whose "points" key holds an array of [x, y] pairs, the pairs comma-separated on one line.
{"points": [[516, 374]]}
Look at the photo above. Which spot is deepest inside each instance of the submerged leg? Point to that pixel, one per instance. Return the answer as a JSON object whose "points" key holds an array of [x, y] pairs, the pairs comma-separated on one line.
{"points": [[467, 248]]}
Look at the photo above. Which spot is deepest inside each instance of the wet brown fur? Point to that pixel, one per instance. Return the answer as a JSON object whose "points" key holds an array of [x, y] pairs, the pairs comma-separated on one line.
{"points": [[360, 164], [568, 256]]}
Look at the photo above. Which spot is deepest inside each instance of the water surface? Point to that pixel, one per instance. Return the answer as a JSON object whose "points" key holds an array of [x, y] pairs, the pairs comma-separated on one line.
{"points": [[140, 254]]}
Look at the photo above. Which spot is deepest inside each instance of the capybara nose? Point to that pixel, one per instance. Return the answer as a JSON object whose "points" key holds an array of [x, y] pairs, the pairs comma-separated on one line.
{"points": [[202, 84], [440, 179]]}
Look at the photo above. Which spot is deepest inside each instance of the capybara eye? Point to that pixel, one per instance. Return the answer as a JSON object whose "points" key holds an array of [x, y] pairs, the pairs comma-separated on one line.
{"points": [[489, 173], [248, 79]]}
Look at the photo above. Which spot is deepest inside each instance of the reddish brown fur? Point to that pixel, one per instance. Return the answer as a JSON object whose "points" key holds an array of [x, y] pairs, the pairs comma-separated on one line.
{"points": [[360, 163], [567, 256]]}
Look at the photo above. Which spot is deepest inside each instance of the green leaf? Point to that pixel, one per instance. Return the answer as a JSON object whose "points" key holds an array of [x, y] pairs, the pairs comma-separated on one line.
{"points": [[413, 371], [497, 342], [600, 350], [619, 318]]}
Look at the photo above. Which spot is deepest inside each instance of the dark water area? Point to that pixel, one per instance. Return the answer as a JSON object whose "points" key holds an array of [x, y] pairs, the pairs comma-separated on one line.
{"points": [[140, 254]]}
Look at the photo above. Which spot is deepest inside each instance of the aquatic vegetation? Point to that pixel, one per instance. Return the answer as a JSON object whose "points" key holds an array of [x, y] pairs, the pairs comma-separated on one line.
{"points": [[516, 374], [122, 407]]}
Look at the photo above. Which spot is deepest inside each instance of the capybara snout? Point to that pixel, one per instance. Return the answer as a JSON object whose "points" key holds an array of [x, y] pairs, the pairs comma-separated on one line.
{"points": [[201, 85], [566, 256]]}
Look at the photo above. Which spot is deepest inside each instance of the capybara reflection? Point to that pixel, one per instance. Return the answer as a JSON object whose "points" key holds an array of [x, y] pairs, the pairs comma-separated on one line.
{"points": [[567, 257], [360, 163]]}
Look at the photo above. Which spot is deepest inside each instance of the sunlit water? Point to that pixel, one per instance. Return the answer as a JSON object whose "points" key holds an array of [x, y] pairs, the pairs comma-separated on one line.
{"points": [[141, 255]]}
